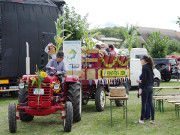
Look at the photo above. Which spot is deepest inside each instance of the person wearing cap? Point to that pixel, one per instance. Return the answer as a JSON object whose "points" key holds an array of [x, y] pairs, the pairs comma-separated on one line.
{"points": [[57, 65]]}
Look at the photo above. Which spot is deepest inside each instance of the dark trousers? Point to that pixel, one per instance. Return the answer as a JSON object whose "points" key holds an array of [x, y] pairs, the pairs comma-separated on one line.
{"points": [[147, 97], [148, 111]]}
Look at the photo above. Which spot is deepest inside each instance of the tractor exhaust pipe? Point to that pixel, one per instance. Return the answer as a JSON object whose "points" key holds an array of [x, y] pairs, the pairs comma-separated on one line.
{"points": [[27, 61]]}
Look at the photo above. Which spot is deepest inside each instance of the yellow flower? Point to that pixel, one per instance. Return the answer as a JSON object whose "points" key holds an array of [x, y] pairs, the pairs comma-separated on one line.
{"points": [[59, 40], [32, 78], [43, 74], [87, 41]]}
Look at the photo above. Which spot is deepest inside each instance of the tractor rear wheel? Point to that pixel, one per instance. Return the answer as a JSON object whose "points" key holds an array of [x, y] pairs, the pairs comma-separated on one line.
{"points": [[23, 98], [75, 96], [12, 117], [69, 117], [119, 103], [100, 99]]}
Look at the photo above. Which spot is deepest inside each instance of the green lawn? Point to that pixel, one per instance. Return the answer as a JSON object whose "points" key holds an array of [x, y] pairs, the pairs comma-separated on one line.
{"points": [[94, 122]]}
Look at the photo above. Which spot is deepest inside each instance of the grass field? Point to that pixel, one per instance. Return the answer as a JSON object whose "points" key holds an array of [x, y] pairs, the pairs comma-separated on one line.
{"points": [[98, 123]]}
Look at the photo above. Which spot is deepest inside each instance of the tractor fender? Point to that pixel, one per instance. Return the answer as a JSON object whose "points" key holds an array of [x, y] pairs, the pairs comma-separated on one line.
{"points": [[72, 78]]}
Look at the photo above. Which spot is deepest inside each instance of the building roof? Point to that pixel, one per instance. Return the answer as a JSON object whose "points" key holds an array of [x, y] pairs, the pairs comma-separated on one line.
{"points": [[146, 32]]}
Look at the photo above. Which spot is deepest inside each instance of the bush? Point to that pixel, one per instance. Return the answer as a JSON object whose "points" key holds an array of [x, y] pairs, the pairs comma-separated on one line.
{"points": [[157, 45], [173, 46]]}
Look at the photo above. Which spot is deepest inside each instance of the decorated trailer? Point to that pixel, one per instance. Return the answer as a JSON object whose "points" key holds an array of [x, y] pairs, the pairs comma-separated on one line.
{"points": [[98, 74]]}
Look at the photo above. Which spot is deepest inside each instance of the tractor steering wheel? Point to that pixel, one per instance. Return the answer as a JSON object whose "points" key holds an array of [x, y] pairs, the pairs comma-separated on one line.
{"points": [[52, 72]]}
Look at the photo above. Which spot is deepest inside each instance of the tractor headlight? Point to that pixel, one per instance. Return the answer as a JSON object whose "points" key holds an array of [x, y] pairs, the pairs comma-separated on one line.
{"points": [[21, 85], [56, 86]]}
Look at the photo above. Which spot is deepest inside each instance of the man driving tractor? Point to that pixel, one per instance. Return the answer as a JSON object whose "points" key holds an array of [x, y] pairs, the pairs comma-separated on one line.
{"points": [[56, 66]]}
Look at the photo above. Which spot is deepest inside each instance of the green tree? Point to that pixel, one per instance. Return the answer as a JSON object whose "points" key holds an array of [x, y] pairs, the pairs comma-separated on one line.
{"points": [[74, 23], [157, 45], [131, 37], [115, 32], [78, 27], [173, 46]]}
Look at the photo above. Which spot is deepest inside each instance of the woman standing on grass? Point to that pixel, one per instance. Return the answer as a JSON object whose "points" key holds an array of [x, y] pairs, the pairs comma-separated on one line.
{"points": [[146, 88]]}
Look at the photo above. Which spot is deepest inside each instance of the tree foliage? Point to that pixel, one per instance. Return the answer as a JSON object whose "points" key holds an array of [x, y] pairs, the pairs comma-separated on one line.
{"points": [[115, 32], [78, 27], [74, 23], [173, 46], [157, 45]]}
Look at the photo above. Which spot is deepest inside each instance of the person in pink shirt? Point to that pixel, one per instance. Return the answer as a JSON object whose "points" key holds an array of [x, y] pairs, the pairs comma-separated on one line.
{"points": [[112, 51]]}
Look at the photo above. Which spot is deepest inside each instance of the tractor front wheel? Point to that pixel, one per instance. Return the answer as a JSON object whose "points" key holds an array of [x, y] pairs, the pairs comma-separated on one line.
{"points": [[74, 95], [23, 98], [100, 99], [69, 117], [12, 117]]}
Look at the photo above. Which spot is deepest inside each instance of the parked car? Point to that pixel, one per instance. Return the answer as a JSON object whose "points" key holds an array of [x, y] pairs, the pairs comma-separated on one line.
{"points": [[167, 67]]}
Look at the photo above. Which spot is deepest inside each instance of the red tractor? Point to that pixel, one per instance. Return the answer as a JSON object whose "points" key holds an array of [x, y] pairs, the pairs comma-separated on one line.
{"points": [[54, 97]]}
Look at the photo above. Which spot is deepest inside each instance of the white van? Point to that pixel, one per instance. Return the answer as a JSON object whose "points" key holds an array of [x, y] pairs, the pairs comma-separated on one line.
{"points": [[135, 66]]}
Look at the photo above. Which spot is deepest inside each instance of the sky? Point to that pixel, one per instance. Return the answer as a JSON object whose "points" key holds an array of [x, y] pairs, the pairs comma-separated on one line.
{"points": [[144, 13]]}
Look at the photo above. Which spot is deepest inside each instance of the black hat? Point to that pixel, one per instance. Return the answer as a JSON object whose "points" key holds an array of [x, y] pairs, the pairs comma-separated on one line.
{"points": [[60, 54]]}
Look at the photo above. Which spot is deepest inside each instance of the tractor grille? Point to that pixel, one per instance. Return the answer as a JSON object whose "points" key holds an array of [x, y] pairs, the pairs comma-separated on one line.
{"points": [[43, 98]]}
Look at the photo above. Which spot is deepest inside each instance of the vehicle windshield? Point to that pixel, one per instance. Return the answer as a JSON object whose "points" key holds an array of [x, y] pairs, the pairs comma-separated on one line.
{"points": [[139, 56]]}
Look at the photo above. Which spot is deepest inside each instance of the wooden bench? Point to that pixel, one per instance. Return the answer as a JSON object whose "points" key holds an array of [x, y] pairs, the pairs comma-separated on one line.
{"points": [[177, 108], [177, 104], [160, 100]]}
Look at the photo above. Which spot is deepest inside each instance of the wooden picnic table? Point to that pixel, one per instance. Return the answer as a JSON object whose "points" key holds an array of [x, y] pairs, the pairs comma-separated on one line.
{"points": [[158, 89], [124, 106]]}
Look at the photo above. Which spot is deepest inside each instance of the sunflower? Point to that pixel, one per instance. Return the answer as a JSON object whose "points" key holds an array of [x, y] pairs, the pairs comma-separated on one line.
{"points": [[87, 41], [32, 78], [43, 74]]}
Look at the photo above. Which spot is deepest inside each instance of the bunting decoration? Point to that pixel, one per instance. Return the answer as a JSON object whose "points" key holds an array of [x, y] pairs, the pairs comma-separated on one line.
{"points": [[102, 81], [90, 82], [96, 82]]}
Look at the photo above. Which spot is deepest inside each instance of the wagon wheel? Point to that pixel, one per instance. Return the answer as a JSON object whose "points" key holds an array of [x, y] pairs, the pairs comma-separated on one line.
{"points": [[12, 117], [100, 99], [67, 122]]}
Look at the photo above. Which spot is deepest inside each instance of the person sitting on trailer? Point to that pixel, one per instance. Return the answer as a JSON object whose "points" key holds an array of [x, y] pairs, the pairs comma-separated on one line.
{"points": [[56, 66], [104, 49], [112, 51], [51, 50]]}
